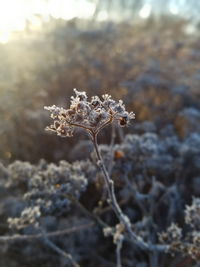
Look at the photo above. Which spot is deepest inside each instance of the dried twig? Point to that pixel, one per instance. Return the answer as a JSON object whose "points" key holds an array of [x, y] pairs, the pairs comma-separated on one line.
{"points": [[74, 229], [60, 251]]}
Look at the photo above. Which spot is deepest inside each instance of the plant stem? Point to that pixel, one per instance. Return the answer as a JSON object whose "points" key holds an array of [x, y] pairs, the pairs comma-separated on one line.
{"points": [[118, 253], [108, 181], [60, 251], [112, 198]]}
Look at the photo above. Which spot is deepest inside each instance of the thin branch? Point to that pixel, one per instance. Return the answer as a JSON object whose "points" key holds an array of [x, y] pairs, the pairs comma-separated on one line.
{"points": [[136, 195], [17, 237], [50, 234], [74, 229], [93, 216], [110, 187], [60, 251], [111, 163], [119, 213], [112, 143], [109, 121], [79, 125], [118, 252]]}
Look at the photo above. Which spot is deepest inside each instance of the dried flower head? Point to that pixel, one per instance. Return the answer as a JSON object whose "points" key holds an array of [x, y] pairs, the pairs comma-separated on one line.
{"points": [[29, 216], [192, 213], [172, 237], [173, 234], [91, 115]]}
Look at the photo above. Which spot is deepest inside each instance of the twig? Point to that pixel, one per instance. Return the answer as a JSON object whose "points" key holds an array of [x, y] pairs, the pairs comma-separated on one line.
{"points": [[137, 196], [113, 201], [112, 142], [51, 234], [118, 252], [55, 233], [60, 251], [87, 212], [110, 187], [111, 162]]}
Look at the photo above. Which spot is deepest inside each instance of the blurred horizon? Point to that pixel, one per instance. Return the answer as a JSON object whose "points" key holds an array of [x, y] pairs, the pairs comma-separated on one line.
{"points": [[21, 16]]}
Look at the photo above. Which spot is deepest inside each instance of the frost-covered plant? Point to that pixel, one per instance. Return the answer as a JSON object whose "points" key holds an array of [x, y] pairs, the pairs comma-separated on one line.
{"points": [[50, 189], [144, 168], [192, 214], [188, 243], [93, 116], [29, 216]]}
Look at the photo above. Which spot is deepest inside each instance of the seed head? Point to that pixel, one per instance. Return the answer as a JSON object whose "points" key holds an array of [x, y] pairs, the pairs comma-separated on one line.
{"points": [[91, 115]]}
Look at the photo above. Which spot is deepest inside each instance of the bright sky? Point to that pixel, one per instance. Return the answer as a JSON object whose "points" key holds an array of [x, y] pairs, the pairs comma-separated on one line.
{"points": [[14, 13]]}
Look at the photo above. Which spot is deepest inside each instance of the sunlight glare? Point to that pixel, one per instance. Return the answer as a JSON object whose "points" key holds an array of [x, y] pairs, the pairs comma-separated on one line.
{"points": [[4, 37], [173, 9], [12, 18], [65, 10], [14, 14], [145, 11]]}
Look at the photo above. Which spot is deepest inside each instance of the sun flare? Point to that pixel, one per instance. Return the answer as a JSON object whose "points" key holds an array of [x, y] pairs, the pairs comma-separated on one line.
{"points": [[16, 14], [12, 17]]}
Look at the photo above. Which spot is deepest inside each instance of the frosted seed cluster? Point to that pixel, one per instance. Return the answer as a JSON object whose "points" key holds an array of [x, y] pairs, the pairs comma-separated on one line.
{"points": [[91, 115]]}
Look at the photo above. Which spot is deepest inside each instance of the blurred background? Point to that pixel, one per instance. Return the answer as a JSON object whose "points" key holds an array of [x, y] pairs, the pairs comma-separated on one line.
{"points": [[146, 52]]}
